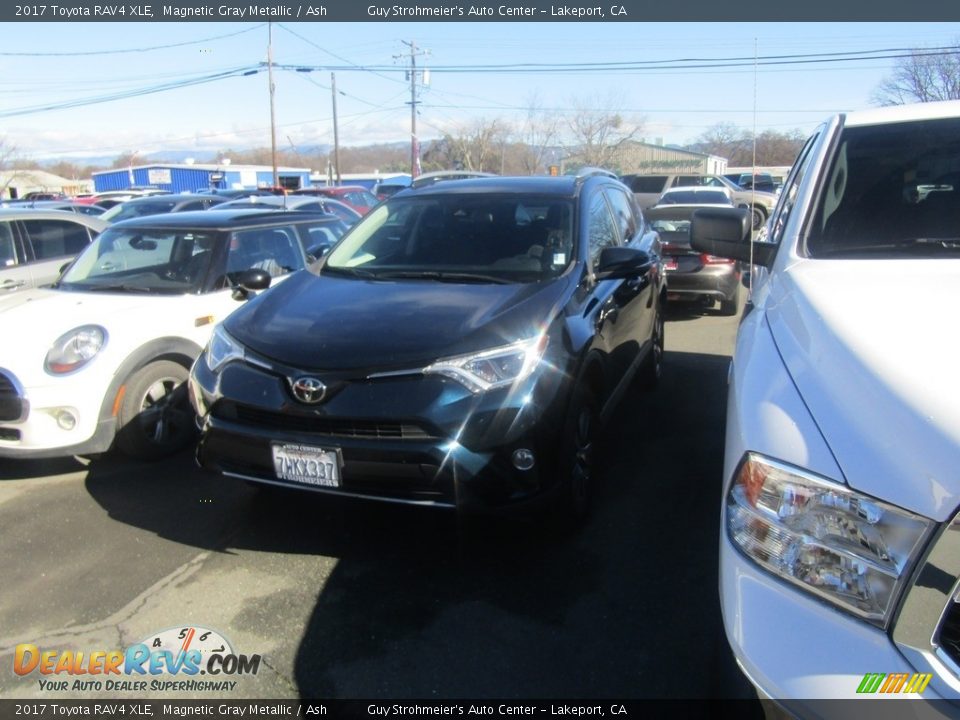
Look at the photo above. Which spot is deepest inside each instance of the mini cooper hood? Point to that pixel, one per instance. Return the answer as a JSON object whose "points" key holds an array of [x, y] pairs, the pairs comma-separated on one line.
{"points": [[873, 348], [38, 317], [335, 324]]}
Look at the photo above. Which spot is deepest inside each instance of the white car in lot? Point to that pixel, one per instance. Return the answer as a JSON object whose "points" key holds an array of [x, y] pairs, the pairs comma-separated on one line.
{"points": [[102, 355], [840, 538]]}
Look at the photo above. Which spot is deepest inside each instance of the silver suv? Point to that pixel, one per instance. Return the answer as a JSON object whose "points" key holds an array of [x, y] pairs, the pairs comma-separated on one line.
{"points": [[36, 244], [648, 189]]}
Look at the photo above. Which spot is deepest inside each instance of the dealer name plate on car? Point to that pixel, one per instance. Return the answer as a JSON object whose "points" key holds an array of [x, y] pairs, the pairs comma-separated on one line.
{"points": [[306, 464]]}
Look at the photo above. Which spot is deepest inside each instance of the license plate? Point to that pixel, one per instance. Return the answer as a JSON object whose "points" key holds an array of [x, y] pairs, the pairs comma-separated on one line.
{"points": [[671, 265], [306, 464]]}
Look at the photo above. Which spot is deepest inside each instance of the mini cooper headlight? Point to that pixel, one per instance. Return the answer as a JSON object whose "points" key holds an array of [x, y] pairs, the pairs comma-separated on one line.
{"points": [[222, 349], [74, 349], [844, 547], [483, 371]]}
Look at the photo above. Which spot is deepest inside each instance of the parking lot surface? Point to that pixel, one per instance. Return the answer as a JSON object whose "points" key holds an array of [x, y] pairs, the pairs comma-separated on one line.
{"points": [[360, 600]]}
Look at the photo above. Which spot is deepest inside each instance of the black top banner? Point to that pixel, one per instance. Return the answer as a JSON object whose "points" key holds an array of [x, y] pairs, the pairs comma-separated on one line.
{"points": [[384, 11]]}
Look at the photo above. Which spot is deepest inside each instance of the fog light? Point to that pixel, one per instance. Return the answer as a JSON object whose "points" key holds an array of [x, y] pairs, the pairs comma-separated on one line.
{"points": [[523, 459], [66, 420]]}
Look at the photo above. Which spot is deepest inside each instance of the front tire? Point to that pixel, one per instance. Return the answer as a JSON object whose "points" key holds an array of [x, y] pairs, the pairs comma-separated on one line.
{"points": [[155, 416], [758, 217], [653, 365], [578, 458]]}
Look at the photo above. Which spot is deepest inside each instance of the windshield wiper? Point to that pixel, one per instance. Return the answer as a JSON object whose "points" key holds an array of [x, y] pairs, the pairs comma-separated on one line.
{"points": [[945, 243], [119, 286], [354, 271], [443, 276]]}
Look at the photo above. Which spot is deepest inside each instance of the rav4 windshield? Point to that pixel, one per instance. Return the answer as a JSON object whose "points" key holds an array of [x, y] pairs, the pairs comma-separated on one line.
{"points": [[500, 238], [893, 190]]}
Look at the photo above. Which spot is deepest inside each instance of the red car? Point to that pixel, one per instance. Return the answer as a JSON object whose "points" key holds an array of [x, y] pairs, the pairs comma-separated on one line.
{"points": [[357, 197]]}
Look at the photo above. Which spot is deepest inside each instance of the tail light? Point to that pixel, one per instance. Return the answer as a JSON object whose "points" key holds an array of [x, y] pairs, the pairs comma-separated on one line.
{"points": [[715, 260]]}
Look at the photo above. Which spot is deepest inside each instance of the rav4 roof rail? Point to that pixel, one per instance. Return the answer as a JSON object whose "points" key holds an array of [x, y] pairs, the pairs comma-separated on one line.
{"points": [[586, 172]]}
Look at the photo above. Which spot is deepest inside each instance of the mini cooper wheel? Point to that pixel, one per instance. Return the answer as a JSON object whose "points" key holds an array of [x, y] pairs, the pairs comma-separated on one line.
{"points": [[155, 418]]}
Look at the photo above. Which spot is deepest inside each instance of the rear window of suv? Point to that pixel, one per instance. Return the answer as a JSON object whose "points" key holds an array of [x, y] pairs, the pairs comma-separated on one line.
{"points": [[645, 183], [892, 190]]}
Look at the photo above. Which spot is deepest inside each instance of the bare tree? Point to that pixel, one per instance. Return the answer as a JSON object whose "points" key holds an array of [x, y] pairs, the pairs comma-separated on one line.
{"points": [[478, 146], [923, 76], [540, 130], [726, 140], [736, 145], [599, 131], [10, 166]]}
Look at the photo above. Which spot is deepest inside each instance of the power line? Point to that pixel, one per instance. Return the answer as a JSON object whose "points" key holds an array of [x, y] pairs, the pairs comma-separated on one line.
{"points": [[235, 72], [129, 50]]}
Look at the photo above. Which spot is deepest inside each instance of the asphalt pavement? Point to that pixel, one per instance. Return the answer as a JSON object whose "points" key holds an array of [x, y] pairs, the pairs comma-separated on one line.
{"points": [[349, 599]]}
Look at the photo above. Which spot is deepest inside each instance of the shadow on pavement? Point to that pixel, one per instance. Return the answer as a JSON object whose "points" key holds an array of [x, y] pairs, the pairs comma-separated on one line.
{"points": [[419, 606]]}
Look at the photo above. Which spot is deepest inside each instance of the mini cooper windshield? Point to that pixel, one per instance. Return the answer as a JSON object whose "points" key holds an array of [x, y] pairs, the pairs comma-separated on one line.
{"points": [[460, 238], [143, 261]]}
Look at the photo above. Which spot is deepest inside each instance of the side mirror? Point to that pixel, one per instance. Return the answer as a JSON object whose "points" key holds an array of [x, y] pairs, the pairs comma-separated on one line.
{"points": [[250, 281], [621, 262], [726, 232], [319, 250]]}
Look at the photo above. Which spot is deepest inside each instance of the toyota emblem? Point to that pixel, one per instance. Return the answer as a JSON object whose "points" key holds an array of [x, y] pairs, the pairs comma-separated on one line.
{"points": [[308, 390]]}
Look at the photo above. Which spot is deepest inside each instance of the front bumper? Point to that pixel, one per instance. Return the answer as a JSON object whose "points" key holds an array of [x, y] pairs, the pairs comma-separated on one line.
{"points": [[413, 438], [794, 648], [717, 281], [41, 431]]}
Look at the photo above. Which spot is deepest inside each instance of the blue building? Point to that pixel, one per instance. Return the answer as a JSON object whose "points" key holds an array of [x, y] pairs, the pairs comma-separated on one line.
{"points": [[195, 177]]}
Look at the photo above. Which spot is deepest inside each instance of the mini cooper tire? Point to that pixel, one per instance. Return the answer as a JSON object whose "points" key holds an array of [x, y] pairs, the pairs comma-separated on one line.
{"points": [[155, 418]]}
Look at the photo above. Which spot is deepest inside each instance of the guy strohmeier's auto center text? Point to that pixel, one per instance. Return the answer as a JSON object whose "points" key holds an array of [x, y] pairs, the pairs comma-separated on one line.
{"points": [[477, 11]]}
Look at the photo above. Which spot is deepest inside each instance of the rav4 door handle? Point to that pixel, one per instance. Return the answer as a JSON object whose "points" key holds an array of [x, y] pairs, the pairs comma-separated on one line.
{"points": [[11, 284]]}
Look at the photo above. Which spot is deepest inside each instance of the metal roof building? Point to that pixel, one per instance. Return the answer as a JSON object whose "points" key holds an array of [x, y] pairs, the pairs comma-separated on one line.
{"points": [[179, 178]]}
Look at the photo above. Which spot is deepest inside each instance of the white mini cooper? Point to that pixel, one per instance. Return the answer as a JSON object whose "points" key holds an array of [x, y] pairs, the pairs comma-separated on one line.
{"points": [[100, 358]]}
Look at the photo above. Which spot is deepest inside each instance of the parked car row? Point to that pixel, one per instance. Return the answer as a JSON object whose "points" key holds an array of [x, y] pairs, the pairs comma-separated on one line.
{"points": [[459, 347]]}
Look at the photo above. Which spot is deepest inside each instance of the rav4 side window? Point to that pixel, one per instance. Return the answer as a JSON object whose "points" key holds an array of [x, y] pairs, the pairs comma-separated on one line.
{"points": [[601, 230], [623, 210]]}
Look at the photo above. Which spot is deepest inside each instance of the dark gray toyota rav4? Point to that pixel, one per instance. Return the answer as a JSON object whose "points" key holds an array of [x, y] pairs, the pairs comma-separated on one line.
{"points": [[459, 347]]}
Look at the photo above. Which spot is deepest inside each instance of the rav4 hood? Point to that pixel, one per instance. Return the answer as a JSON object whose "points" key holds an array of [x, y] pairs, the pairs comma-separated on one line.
{"points": [[873, 348], [333, 323]]}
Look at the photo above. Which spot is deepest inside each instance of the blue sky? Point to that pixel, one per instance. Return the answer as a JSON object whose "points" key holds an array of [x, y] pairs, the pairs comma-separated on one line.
{"points": [[675, 105]]}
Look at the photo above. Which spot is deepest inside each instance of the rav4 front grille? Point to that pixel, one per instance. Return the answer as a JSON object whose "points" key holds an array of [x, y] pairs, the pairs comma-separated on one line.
{"points": [[331, 426]]}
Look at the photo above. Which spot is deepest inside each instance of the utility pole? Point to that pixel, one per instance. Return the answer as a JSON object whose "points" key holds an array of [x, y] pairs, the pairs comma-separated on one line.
{"points": [[336, 134], [414, 141], [273, 114]]}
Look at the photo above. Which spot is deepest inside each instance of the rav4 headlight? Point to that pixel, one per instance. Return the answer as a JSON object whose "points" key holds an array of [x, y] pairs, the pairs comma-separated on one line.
{"points": [[74, 349], [844, 547], [222, 349], [483, 371]]}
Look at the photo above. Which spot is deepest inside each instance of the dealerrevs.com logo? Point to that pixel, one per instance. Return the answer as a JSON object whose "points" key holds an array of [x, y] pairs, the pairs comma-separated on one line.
{"points": [[181, 653]]}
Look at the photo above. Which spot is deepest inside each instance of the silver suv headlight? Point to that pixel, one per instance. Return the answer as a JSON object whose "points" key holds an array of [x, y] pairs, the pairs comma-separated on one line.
{"points": [[847, 548]]}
